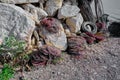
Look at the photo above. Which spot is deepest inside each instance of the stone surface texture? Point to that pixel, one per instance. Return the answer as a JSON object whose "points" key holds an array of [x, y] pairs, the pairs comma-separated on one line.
{"points": [[37, 13], [68, 11], [75, 23], [52, 6], [58, 39], [19, 1], [14, 21]]}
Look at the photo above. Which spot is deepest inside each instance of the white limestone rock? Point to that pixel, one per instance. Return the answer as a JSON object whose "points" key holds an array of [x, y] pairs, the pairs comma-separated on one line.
{"points": [[37, 13], [52, 6], [67, 32], [19, 1], [15, 21], [75, 23], [58, 39], [68, 11]]}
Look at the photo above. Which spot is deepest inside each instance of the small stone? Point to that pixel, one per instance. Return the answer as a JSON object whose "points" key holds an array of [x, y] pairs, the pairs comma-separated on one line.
{"points": [[40, 44], [33, 41], [37, 13], [68, 11], [41, 2], [1, 66], [75, 23], [1, 41], [55, 38], [15, 21], [19, 1], [67, 32], [71, 2], [52, 6]]}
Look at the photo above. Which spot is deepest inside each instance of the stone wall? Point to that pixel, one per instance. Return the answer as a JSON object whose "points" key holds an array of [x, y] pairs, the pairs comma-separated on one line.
{"points": [[41, 22]]}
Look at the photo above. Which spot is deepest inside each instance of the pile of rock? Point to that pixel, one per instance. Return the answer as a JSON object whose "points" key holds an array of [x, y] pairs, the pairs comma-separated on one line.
{"points": [[44, 22]]}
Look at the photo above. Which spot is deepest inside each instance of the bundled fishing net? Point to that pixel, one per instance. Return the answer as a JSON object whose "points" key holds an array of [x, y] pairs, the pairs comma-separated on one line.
{"points": [[44, 55], [50, 24], [76, 45], [93, 38]]}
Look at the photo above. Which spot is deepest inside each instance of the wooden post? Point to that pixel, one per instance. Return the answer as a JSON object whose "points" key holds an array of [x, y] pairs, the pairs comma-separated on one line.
{"points": [[86, 10]]}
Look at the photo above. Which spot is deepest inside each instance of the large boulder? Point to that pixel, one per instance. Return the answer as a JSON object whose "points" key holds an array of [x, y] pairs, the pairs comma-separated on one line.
{"points": [[19, 1], [37, 13], [75, 23], [53, 33], [68, 11], [52, 6], [15, 21]]}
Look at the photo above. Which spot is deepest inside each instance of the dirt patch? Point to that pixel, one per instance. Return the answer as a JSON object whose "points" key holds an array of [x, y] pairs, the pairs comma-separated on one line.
{"points": [[101, 62]]}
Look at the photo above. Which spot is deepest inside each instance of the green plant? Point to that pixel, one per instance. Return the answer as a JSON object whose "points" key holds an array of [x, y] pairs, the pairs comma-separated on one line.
{"points": [[55, 61], [7, 72], [11, 47], [13, 51]]}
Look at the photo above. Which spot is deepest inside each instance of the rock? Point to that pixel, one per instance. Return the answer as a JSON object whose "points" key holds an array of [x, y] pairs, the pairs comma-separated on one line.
{"points": [[67, 32], [71, 2], [37, 13], [68, 11], [14, 21], [52, 6], [75, 23], [41, 2], [40, 44], [57, 39], [19, 1], [1, 41]]}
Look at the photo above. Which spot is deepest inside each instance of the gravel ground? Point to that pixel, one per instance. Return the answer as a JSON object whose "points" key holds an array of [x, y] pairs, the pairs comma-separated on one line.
{"points": [[101, 62]]}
